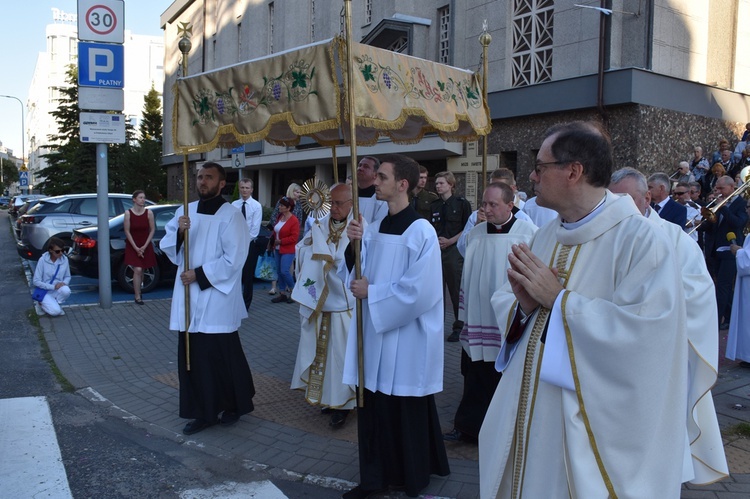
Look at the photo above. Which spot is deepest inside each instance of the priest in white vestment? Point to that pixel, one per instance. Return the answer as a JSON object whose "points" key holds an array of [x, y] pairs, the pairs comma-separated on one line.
{"points": [[738, 342], [488, 245], [218, 386], [593, 397], [705, 461], [325, 310], [400, 442]]}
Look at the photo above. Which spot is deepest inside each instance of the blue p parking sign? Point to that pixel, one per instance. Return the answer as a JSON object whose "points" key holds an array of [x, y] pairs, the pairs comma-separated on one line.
{"points": [[100, 65]]}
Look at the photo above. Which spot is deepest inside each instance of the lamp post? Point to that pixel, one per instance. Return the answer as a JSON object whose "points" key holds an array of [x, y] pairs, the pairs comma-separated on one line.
{"points": [[23, 132]]}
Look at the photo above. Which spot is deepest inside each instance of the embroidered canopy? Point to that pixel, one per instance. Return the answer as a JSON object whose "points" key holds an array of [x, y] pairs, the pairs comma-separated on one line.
{"points": [[301, 92]]}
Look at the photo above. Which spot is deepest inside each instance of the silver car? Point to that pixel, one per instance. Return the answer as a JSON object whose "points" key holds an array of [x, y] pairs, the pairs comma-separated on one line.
{"points": [[59, 216]]}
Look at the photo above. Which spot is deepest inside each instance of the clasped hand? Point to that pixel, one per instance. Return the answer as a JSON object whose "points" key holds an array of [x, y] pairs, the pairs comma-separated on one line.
{"points": [[531, 280]]}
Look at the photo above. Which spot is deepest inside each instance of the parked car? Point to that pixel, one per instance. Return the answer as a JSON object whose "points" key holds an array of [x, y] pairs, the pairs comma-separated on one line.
{"points": [[22, 211], [18, 201], [4, 201], [60, 215], [84, 258]]}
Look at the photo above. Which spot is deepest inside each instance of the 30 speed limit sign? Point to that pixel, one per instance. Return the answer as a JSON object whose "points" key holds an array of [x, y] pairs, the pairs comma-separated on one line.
{"points": [[101, 20]]}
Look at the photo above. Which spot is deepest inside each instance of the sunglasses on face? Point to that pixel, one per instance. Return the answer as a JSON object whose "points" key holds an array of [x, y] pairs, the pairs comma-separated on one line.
{"points": [[56, 251]]}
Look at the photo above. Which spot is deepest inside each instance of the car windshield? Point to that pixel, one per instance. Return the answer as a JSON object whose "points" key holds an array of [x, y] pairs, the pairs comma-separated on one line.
{"points": [[48, 207]]}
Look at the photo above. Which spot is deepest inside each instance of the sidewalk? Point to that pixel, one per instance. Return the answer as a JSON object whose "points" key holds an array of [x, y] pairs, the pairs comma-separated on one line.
{"points": [[125, 358]]}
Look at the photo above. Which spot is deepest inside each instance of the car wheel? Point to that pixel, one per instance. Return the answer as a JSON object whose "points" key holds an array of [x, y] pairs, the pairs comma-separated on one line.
{"points": [[151, 278]]}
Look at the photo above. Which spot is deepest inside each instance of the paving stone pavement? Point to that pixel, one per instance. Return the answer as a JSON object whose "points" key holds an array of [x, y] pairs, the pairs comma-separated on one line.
{"points": [[125, 358]]}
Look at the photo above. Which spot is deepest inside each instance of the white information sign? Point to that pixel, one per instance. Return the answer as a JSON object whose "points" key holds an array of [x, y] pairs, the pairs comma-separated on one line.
{"points": [[101, 99], [101, 20], [238, 160], [102, 128]]}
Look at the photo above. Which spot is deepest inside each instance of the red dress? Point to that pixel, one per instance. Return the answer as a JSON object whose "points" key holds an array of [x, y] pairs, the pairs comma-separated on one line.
{"points": [[139, 229]]}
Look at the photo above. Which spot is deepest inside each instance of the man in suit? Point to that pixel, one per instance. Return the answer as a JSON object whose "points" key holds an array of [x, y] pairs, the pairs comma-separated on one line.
{"points": [[731, 217], [662, 203]]}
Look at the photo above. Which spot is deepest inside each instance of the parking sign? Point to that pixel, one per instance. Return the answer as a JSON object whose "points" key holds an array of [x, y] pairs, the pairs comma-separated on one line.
{"points": [[100, 65]]}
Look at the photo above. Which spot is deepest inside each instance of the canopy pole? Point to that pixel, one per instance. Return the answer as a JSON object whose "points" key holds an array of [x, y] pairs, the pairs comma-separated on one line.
{"points": [[185, 45], [335, 165], [485, 39], [355, 195]]}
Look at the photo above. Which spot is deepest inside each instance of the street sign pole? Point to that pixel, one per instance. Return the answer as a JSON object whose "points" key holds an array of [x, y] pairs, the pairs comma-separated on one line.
{"points": [[101, 74], [102, 208]]}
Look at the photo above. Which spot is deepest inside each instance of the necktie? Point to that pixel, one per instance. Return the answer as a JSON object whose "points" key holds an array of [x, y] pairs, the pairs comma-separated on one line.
{"points": [[244, 215], [656, 207]]}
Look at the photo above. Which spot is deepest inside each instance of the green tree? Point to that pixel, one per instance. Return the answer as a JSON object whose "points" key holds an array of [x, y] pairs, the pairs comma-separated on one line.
{"points": [[142, 167], [71, 164], [10, 173]]}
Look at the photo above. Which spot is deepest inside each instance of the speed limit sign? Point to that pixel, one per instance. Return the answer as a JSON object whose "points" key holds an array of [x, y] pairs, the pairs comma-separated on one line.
{"points": [[101, 20]]}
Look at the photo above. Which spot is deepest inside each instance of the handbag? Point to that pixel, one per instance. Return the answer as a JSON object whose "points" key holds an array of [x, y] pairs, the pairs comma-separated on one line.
{"points": [[266, 269], [38, 294]]}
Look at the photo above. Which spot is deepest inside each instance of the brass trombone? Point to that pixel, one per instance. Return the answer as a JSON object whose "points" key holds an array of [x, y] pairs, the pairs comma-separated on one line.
{"points": [[709, 211]]}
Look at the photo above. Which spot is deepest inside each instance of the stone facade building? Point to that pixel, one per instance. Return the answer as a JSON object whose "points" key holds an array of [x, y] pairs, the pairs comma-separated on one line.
{"points": [[652, 71]]}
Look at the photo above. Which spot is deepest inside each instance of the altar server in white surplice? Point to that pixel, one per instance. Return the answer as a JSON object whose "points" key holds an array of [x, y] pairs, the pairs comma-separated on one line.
{"points": [[218, 387], [593, 397], [325, 310], [738, 343], [488, 245], [400, 442], [705, 462]]}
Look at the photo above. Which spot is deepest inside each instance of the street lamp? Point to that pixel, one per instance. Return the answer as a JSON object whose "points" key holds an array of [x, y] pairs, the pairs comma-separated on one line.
{"points": [[23, 132]]}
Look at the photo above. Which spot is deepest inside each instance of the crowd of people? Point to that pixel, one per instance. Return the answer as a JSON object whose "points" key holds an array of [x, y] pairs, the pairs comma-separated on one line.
{"points": [[547, 318], [567, 307]]}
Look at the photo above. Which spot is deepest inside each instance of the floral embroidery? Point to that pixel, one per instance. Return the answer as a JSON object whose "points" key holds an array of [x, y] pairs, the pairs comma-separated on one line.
{"points": [[415, 85], [293, 85]]}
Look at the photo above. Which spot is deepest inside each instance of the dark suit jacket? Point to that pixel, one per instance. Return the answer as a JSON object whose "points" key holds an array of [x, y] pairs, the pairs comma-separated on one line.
{"points": [[732, 217], [674, 212]]}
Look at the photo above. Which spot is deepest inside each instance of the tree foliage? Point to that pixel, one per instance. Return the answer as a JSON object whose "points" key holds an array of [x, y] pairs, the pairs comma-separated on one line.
{"points": [[134, 165], [10, 173]]}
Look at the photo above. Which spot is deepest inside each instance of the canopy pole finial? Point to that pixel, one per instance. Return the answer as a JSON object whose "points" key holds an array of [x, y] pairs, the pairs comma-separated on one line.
{"points": [[184, 31]]}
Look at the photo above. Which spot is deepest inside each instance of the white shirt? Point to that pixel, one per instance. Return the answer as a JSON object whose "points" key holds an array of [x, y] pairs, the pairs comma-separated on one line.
{"points": [[253, 215]]}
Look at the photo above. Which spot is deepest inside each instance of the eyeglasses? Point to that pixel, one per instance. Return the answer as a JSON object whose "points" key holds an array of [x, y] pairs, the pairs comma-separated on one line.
{"points": [[340, 203], [539, 170], [56, 251], [681, 193]]}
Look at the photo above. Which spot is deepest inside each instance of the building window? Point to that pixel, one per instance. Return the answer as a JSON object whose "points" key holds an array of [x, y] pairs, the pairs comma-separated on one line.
{"points": [[368, 11], [400, 44], [532, 41], [270, 28], [444, 21]]}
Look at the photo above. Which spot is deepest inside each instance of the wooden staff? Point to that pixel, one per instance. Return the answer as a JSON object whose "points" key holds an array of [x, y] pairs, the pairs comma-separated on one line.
{"points": [[335, 165], [355, 195], [185, 45]]}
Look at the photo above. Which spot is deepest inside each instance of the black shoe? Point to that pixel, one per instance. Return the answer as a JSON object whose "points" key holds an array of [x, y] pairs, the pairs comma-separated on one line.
{"points": [[359, 493], [279, 299], [456, 435], [228, 418], [196, 425], [744, 364], [338, 418], [326, 410], [289, 300], [453, 336], [138, 301]]}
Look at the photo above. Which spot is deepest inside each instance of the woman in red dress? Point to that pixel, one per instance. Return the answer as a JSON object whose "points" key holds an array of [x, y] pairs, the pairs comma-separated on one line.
{"points": [[139, 230]]}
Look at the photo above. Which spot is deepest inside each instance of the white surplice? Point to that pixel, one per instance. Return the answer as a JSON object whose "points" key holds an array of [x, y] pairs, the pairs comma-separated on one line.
{"points": [[707, 462], [323, 298], [219, 245], [485, 270], [402, 315], [371, 209], [621, 430], [738, 343]]}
